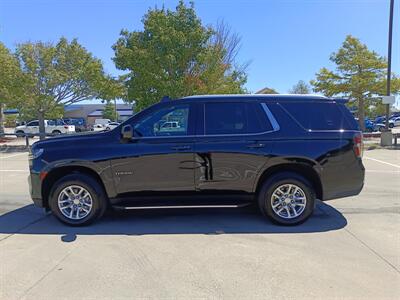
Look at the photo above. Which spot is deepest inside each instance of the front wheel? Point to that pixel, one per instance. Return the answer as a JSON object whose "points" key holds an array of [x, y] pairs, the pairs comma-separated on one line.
{"points": [[20, 133], [287, 198], [77, 200]]}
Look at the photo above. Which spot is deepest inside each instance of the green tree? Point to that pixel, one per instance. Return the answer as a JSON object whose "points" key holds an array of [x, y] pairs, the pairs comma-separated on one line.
{"points": [[109, 111], [11, 82], [60, 75], [300, 87], [175, 55], [360, 75]]}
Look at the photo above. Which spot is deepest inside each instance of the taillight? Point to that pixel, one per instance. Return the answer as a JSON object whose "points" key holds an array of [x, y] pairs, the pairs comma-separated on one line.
{"points": [[358, 144], [66, 127]]}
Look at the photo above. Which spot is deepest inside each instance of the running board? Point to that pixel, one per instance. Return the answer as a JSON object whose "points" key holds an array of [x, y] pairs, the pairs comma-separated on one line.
{"points": [[180, 206]]}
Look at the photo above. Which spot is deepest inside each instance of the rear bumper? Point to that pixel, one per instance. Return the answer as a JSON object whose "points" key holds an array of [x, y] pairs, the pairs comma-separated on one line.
{"points": [[342, 194], [343, 181]]}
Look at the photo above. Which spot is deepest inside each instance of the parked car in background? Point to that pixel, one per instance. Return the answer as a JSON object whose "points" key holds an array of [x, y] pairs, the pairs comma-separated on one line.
{"points": [[103, 122], [380, 120], [97, 127], [278, 152], [111, 125], [51, 127], [79, 123], [394, 122], [369, 125]]}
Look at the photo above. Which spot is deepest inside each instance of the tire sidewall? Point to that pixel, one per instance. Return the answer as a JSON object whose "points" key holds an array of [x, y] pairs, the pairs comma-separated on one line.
{"points": [[280, 179], [91, 185]]}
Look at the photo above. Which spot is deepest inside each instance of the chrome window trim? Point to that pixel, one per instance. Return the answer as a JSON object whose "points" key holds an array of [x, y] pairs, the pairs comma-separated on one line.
{"points": [[270, 116]]}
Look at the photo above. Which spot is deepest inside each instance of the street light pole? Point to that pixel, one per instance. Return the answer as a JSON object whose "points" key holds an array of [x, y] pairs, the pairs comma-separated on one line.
{"points": [[115, 111], [389, 69]]}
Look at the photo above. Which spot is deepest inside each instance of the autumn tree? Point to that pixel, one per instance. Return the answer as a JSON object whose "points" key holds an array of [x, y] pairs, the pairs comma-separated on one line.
{"points": [[175, 55], [62, 74], [360, 75]]}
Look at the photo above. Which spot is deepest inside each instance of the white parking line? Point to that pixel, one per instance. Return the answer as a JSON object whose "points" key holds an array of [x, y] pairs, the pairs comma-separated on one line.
{"points": [[14, 171], [382, 171], [4, 157], [382, 162]]}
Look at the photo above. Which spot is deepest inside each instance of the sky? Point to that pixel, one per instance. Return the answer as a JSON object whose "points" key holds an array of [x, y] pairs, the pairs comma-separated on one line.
{"points": [[283, 40]]}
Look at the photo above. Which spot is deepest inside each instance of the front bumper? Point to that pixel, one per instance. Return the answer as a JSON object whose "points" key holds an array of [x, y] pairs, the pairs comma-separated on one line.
{"points": [[35, 189]]}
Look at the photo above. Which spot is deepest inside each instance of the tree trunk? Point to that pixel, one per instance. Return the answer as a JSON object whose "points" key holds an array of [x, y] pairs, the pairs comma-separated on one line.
{"points": [[1, 118], [42, 129], [361, 113]]}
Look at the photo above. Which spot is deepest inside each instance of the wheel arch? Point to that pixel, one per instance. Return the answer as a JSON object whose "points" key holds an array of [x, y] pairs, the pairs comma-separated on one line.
{"points": [[57, 173], [305, 170]]}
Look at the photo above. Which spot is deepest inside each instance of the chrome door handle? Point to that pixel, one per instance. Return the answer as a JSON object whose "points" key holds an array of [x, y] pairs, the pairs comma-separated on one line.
{"points": [[256, 145]]}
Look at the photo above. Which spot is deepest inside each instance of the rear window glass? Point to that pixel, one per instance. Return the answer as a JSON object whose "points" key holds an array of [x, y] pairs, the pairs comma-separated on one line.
{"points": [[317, 115], [235, 118]]}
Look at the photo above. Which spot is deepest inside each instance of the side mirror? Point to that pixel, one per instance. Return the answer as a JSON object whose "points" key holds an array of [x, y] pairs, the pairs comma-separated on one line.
{"points": [[127, 132]]}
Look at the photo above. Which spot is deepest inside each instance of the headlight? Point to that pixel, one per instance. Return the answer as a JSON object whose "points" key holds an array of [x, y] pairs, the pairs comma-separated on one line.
{"points": [[36, 152]]}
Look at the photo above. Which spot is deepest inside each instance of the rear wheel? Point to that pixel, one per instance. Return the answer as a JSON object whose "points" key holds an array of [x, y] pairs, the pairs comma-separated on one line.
{"points": [[287, 198], [77, 199], [56, 132]]}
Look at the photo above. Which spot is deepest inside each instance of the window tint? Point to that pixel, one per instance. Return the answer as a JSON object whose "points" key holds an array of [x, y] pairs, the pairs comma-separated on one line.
{"points": [[257, 118], [317, 115], [235, 118], [33, 123], [55, 122], [168, 121]]}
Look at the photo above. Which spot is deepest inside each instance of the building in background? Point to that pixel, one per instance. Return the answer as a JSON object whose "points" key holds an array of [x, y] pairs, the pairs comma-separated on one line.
{"points": [[91, 112]]}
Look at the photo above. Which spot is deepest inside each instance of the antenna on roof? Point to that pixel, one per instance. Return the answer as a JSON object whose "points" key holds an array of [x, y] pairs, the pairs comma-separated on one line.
{"points": [[165, 99]]}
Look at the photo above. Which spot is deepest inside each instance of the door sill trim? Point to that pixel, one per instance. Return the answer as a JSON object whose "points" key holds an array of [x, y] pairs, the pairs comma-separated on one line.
{"points": [[179, 206]]}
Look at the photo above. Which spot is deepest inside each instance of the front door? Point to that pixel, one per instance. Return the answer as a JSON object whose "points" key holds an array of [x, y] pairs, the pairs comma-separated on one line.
{"points": [[32, 127], [160, 157]]}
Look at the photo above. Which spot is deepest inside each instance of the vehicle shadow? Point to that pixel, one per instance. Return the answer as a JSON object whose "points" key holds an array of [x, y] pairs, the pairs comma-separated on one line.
{"points": [[31, 220]]}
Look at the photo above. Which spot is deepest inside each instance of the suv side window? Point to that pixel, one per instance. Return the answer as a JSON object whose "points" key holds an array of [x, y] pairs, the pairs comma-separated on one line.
{"points": [[317, 115], [235, 118], [159, 123], [33, 123]]}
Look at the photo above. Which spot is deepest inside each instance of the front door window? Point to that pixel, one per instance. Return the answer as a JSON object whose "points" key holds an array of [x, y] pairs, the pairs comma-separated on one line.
{"points": [[168, 121]]}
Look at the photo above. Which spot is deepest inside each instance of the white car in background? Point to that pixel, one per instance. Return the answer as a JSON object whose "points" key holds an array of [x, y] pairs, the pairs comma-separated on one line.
{"points": [[394, 122], [111, 125], [102, 122], [51, 127], [97, 127]]}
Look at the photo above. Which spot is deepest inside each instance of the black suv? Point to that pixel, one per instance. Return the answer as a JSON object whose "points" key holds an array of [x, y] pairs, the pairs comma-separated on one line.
{"points": [[279, 151]]}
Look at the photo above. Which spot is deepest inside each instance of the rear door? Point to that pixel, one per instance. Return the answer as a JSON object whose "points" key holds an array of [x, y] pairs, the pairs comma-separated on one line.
{"points": [[232, 148]]}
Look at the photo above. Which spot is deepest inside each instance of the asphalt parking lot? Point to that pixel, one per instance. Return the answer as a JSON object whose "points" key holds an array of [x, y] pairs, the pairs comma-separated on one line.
{"points": [[350, 248]]}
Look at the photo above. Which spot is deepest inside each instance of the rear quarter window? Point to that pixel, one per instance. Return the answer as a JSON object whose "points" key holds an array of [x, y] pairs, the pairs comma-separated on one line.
{"points": [[317, 115]]}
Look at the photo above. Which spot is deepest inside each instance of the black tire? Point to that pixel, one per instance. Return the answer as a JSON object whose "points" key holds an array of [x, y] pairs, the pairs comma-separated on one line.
{"points": [[391, 125], [56, 132], [96, 191], [271, 184], [20, 133]]}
